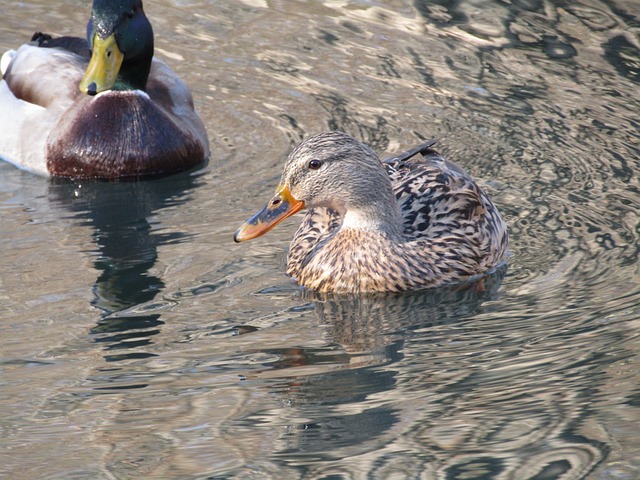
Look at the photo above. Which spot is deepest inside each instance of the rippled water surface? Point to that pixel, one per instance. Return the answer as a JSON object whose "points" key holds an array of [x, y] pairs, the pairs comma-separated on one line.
{"points": [[138, 341]]}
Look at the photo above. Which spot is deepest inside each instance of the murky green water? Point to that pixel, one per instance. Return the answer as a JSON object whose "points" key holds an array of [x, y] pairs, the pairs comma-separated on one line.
{"points": [[138, 341]]}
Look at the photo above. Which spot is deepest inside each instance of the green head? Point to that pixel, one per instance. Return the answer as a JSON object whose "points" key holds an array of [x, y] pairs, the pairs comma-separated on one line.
{"points": [[121, 41]]}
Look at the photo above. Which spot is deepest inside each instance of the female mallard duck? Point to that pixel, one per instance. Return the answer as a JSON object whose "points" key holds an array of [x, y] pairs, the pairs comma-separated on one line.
{"points": [[104, 109], [405, 224]]}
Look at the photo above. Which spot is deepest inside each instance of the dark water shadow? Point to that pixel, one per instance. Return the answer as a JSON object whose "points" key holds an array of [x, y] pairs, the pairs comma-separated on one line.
{"points": [[126, 249]]}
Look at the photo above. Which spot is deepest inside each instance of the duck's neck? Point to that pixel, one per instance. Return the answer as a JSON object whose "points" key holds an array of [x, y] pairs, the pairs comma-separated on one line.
{"points": [[134, 73], [381, 216]]}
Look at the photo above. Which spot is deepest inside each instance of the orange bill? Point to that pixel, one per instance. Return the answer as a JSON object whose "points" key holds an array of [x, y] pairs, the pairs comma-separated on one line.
{"points": [[281, 206]]}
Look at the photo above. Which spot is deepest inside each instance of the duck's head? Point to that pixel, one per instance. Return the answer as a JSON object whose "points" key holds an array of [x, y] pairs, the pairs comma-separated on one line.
{"points": [[330, 170], [121, 41]]}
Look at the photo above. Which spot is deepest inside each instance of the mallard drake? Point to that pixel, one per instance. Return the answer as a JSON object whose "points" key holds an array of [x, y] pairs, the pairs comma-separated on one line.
{"points": [[412, 222], [102, 107]]}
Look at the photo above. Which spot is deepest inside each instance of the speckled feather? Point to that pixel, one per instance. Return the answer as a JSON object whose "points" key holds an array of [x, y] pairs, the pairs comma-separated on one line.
{"points": [[451, 232]]}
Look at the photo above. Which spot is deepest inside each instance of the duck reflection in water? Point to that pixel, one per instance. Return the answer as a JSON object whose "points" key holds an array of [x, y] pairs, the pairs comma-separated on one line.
{"points": [[127, 249], [366, 334], [414, 376]]}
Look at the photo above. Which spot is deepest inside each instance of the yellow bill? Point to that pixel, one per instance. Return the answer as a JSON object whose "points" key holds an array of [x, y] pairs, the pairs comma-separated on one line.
{"points": [[104, 66], [281, 206]]}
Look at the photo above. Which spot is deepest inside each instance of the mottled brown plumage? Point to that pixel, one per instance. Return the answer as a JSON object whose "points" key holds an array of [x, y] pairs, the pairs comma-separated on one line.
{"points": [[412, 222]]}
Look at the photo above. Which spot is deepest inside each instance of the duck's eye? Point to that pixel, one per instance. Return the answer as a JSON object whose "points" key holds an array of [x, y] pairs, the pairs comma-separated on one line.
{"points": [[132, 13], [315, 164]]}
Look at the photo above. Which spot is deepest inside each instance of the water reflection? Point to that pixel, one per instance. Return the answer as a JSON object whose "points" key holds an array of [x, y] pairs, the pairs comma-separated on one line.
{"points": [[362, 325], [433, 384], [126, 251]]}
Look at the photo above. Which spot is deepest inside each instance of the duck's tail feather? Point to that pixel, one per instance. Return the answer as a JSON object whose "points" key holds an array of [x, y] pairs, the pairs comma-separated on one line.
{"points": [[422, 149]]}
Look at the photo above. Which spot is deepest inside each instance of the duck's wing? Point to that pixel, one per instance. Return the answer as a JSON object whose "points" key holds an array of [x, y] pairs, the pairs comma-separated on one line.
{"points": [[436, 196], [44, 75], [38, 86]]}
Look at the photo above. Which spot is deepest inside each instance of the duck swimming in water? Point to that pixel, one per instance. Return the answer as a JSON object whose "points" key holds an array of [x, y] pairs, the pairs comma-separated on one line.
{"points": [[104, 107], [414, 221]]}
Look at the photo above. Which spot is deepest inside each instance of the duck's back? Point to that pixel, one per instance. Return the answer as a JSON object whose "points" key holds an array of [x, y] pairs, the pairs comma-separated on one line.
{"points": [[443, 207], [437, 197]]}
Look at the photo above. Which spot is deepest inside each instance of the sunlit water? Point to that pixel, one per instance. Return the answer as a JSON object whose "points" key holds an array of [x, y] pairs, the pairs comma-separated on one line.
{"points": [[138, 341]]}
